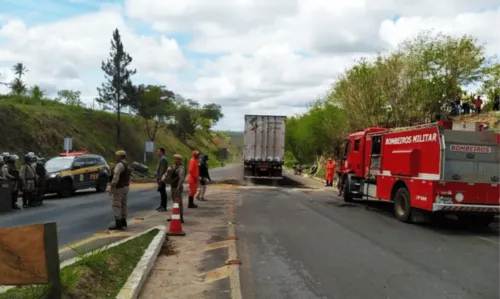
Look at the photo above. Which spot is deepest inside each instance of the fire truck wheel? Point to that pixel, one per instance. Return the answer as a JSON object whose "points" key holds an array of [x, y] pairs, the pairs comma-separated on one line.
{"points": [[402, 206], [347, 194]]}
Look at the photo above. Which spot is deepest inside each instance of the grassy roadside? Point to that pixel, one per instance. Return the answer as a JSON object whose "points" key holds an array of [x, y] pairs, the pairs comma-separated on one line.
{"points": [[41, 127], [100, 274]]}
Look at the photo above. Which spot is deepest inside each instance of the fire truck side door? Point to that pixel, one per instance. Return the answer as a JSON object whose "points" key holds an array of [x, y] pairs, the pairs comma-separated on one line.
{"points": [[356, 157]]}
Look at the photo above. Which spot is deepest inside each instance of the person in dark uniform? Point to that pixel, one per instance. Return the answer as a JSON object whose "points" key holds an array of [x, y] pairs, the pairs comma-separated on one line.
{"points": [[27, 177], [176, 176], [204, 177], [12, 173], [41, 174], [119, 189]]}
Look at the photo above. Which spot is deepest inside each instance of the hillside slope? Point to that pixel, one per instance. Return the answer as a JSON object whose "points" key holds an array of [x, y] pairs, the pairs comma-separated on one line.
{"points": [[41, 128]]}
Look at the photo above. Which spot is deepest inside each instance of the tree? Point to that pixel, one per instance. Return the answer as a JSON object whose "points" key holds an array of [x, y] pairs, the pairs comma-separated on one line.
{"points": [[185, 118], [37, 93], [491, 83], [70, 97], [115, 92], [18, 87], [212, 113], [19, 69], [411, 85], [155, 104]]}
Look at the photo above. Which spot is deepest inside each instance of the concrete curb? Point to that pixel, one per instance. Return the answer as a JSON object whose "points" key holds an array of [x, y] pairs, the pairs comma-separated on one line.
{"points": [[136, 280], [71, 261]]}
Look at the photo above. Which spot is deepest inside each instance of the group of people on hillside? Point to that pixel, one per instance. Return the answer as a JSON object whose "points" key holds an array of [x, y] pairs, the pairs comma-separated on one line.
{"points": [[467, 104], [30, 179]]}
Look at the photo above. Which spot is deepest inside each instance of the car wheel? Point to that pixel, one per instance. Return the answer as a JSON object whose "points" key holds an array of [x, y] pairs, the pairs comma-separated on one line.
{"points": [[102, 183], [66, 188]]}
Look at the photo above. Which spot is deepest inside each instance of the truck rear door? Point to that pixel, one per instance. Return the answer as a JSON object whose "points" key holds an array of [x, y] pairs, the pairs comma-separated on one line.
{"points": [[472, 157]]}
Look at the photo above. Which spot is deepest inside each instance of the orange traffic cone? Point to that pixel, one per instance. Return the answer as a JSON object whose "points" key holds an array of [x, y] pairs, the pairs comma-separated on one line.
{"points": [[175, 222]]}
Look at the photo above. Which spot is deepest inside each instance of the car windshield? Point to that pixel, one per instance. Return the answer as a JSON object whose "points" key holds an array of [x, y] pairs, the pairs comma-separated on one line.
{"points": [[59, 163]]}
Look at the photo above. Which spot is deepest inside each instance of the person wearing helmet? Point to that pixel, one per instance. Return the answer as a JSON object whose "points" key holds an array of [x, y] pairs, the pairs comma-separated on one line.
{"points": [[3, 176], [204, 177], [193, 178], [119, 189], [12, 173], [41, 174], [27, 177], [330, 169]]}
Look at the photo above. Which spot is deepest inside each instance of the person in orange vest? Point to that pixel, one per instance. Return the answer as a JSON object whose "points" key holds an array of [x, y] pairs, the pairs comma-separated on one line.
{"points": [[193, 178], [330, 169]]}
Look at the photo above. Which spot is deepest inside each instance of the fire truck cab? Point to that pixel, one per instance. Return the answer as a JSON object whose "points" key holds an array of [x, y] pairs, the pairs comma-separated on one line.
{"points": [[434, 168]]}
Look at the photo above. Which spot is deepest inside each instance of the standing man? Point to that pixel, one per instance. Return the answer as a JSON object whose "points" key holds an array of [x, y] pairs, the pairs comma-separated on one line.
{"points": [[330, 168], [204, 176], [13, 176], [496, 102], [27, 177], [193, 178], [118, 189], [160, 171], [478, 104], [176, 177]]}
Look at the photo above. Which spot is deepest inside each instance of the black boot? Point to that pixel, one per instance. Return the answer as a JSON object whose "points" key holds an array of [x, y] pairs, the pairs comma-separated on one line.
{"points": [[191, 204], [124, 222], [118, 225]]}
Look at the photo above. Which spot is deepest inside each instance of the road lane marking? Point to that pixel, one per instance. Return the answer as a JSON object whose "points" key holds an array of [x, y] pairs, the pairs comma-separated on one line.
{"points": [[216, 245], [488, 240], [217, 274], [234, 276]]}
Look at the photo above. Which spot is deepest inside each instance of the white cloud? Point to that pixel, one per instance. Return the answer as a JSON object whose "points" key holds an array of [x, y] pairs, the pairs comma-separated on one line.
{"points": [[275, 57]]}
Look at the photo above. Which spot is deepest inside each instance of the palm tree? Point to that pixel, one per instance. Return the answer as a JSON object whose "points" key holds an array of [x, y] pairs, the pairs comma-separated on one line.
{"points": [[37, 93], [18, 87], [19, 69]]}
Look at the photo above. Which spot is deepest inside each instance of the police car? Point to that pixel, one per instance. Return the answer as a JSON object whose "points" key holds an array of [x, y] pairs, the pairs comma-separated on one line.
{"points": [[75, 171]]}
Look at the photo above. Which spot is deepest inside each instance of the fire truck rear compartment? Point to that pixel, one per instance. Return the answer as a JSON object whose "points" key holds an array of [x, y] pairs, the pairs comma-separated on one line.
{"points": [[471, 157]]}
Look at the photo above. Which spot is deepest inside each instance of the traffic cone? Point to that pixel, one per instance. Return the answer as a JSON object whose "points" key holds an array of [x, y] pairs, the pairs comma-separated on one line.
{"points": [[175, 228]]}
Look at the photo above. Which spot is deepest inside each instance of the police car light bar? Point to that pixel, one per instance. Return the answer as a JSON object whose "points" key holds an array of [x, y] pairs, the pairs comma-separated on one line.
{"points": [[72, 154]]}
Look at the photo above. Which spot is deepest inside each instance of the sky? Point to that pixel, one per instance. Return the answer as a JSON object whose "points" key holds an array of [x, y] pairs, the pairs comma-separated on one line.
{"points": [[249, 56]]}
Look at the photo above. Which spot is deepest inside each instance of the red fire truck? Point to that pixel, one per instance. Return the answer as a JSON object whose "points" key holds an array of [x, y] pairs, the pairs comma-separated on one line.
{"points": [[424, 170]]}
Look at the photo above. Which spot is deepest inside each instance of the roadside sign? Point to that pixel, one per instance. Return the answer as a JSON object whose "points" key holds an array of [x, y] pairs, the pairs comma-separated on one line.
{"points": [[149, 146], [68, 144]]}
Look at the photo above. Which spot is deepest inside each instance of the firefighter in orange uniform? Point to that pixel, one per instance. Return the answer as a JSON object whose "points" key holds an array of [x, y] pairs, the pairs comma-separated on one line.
{"points": [[193, 178], [330, 169]]}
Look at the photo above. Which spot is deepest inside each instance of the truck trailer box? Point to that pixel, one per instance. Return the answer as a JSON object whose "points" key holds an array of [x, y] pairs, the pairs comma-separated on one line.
{"points": [[264, 146]]}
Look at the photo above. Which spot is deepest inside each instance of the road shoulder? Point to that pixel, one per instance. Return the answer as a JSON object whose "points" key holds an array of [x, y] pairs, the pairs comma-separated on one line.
{"points": [[195, 266]]}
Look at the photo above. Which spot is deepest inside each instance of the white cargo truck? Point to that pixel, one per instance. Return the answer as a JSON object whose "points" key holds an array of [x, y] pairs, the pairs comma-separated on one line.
{"points": [[264, 147]]}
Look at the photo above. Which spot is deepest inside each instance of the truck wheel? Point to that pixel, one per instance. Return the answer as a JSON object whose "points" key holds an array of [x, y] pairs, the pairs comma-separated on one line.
{"points": [[476, 220], [347, 193], [66, 188], [402, 205], [102, 183]]}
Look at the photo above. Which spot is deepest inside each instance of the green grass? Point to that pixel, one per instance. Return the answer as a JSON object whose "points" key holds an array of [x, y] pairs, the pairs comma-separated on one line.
{"points": [[41, 127], [101, 274]]}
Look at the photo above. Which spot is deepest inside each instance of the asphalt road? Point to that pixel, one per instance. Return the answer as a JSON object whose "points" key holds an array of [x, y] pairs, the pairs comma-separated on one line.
{"points": [[88, 212], [300, 244]]}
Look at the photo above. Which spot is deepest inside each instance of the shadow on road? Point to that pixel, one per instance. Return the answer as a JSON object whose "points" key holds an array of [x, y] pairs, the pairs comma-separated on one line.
{"points": [[286, 182], [446, 225]]}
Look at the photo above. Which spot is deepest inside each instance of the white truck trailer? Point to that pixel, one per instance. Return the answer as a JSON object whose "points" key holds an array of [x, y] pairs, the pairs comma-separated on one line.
{"points": [[264, 147]]}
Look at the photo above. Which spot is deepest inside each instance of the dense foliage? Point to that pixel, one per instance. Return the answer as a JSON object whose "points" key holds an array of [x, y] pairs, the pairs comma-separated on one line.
{"points": [[413, 84]]}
